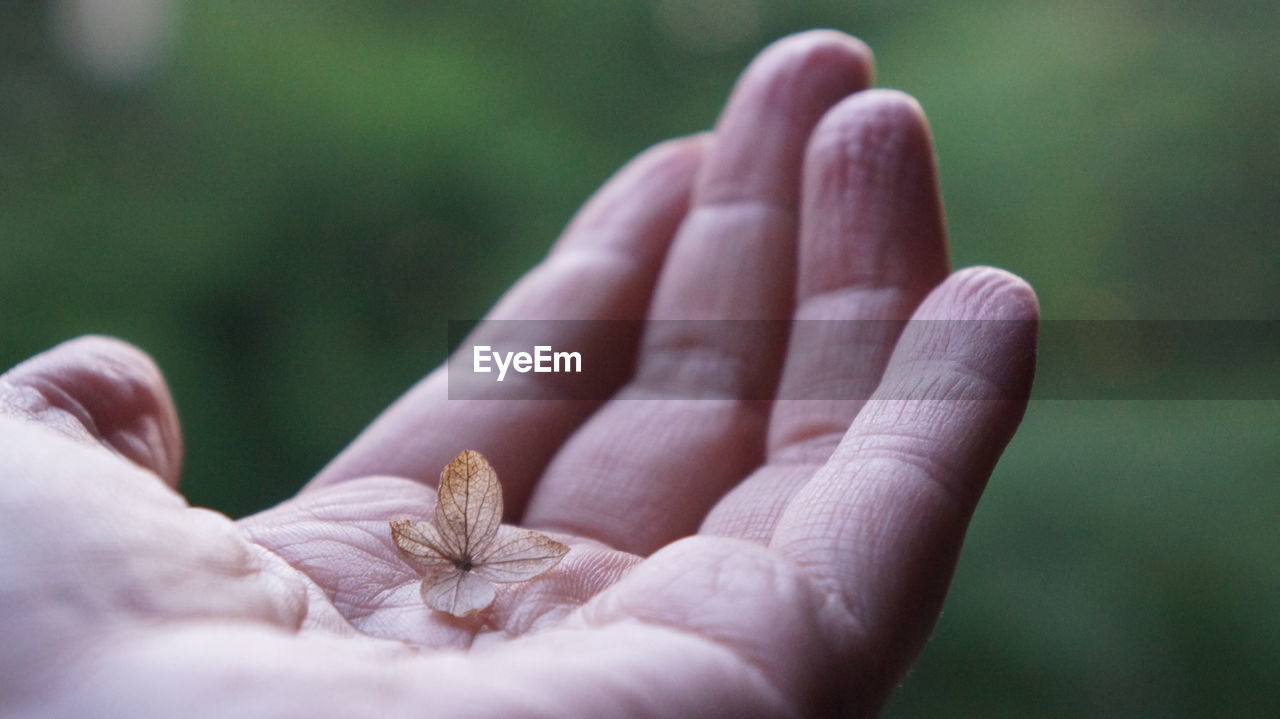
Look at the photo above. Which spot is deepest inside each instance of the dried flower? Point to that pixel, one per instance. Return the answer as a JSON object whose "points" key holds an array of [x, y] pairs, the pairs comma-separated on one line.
{"points": [[467, 548]]}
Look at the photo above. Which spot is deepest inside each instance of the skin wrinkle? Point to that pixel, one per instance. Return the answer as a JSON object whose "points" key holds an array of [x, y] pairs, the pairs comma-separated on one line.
{"points": [[568, 526], [832, 303], [375, 498], [580, 577], [831, 585], [895, 443], [882, 536], [758, 212], [370, 616], [743, 236], [298, 534], [337, 593], [900, 416], [944, 381], [650, 421], [931, 470], [872, 158], [46, 398], [48, 406], [898, 459], [758, 502], [897, 462], [334, 593], [752, 369], [846, 350], [695, 368], [876, 159], [138, 444], [807, 444], [859, 445], [272, 565]]}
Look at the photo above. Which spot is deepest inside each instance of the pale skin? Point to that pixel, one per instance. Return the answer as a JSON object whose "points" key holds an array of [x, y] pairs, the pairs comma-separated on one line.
{"points": [[728, 556]]}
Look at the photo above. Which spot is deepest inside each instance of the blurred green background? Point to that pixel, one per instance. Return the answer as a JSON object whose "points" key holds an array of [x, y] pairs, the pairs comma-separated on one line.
{"points": [[278, 201]]}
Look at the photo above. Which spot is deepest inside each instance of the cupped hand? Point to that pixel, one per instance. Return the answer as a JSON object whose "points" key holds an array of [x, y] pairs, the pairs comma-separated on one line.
{"points": [[730, 555]]}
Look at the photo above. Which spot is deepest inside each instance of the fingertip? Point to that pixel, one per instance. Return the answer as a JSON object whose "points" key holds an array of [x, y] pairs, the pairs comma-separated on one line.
{"points": [[872, 206], [671, 162], [985, 292], [676, 157], [873, 115], [991, 317], [875, 139], [821, 48], [834, 63], [780, 97], [105, 390], [680, 149]]}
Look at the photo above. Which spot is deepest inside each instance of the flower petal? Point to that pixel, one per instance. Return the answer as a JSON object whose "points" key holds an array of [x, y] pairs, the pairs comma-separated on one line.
{"points": [[518, 554], [456, 592], [468, 505], [420, 543]]}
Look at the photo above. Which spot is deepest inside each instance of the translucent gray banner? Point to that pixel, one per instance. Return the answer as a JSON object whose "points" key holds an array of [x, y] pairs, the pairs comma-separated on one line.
{"points": [[591, 360]]}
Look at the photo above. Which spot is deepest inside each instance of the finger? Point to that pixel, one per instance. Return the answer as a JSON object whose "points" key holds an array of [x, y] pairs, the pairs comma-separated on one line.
{"points": [[101, 390], [880, 525], [604, 267], [627, 476], [872, 244]]}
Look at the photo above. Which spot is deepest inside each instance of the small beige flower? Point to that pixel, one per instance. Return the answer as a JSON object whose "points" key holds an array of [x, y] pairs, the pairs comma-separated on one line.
{"points": [[467, 548]]}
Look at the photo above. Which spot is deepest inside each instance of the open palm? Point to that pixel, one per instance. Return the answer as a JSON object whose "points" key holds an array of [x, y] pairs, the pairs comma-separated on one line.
{"points": [[747, 536]]}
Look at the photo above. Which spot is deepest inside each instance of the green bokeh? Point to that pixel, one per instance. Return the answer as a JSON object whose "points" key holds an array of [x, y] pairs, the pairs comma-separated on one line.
{"points": [[290, 209]]}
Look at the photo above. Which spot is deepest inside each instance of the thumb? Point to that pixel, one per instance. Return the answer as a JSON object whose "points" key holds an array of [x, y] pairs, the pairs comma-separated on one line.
{"points": [[100, 390]]}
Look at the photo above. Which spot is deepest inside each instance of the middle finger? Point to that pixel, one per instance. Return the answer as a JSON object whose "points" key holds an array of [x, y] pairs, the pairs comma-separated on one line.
{"points": [[628, 477]]}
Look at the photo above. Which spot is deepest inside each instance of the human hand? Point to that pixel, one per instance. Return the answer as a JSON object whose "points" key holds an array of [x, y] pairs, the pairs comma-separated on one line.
{"points": [[729, 556]]}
